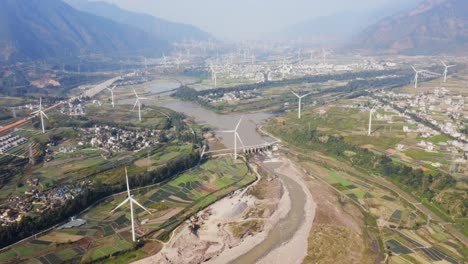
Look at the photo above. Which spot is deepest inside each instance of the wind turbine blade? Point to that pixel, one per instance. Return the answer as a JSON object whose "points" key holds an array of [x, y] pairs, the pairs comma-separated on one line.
{"points": [[136, 102], [306, 95], [128, 185], [414, 69], [295, 94], [118, 206], [238, 124], [225, 131], [444, 63], [42, 113], [142, 207], [135, 92], [35, 112], [240, 140]]}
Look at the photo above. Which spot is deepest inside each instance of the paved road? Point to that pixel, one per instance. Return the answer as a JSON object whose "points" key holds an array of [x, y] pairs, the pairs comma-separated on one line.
{"points": [[91, 92]]}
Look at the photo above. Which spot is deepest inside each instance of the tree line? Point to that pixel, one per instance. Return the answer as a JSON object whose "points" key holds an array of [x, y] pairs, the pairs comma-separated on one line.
{"points": [[360, 81], [426, 184], [31, 225]]}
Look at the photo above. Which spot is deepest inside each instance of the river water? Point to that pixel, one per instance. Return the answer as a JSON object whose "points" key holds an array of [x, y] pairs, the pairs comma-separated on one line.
{"points": [[287, 226], [247, 129], [160, 87]]}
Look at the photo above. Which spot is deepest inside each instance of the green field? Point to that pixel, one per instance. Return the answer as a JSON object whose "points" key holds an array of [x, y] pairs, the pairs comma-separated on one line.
{"points": [[110, 232]]}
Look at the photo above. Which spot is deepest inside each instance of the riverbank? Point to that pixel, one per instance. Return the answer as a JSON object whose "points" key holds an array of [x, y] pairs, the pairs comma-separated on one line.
{"points": [[267, 222], [230, 227], [295, 250]]}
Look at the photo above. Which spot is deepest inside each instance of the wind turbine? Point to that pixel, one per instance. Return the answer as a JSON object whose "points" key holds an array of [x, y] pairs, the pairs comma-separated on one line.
{"points": [[300, 102], [371, 113], [178, 61], [138, 102], [112, 94], [446, 70], [41, 114], [164, 59], [131, 201], [213, 75], [236, 136], [416, 77]]}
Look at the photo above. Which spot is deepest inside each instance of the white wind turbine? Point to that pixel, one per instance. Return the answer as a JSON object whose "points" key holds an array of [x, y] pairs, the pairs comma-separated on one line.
{"points": [[300, 102], [371, 113], [112, 94], [446, 70], [324, 56], [178, 61], [164, 59], [131, 201], [236, 136], [138, 102], [416, 77], [41, 114], [213, 76]]}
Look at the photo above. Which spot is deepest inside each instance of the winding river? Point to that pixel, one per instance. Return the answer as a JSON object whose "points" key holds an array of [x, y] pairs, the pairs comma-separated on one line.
{"points": [[287, 226]]}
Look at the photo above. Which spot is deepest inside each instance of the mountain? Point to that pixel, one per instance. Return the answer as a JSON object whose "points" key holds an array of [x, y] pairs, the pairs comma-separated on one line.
{"points": [[339, 27], [164, 29], [40, 29], [434, 26]]}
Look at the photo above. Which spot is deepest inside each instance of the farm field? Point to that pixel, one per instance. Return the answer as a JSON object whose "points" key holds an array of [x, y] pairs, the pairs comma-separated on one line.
{"points": [[85, 161], [392, 215], [107, 233], [350, 119]]}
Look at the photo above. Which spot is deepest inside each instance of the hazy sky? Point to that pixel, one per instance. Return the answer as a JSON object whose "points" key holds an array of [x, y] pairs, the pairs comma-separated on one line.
{"points": [[245, 18]]}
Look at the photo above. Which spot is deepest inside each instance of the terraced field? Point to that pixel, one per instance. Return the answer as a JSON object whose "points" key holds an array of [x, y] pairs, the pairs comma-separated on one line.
{"points": [[107, 233], [416, 242]]}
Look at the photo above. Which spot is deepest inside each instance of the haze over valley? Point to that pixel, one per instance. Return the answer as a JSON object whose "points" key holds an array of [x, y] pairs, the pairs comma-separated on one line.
{"points": [[303, 131]]}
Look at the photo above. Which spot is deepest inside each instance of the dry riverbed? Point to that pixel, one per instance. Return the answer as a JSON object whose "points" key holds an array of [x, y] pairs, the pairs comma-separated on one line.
{"points": [[229, 227]]}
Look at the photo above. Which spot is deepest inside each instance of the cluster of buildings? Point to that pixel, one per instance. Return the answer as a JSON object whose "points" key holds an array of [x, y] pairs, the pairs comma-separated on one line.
{"points": [[231, 97], [74, 107], [431, 106], [115, 139], [9, 141], [280, 70], [36, 200]]}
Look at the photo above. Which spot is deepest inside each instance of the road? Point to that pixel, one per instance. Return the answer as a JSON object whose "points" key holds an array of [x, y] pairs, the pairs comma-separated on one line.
{"points": [[402, 194], [383, 182], [91, 92]]}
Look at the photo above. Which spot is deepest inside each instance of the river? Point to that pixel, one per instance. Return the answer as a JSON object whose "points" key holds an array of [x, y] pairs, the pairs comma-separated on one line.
{"points": [[287, 226], [284, 229], [247, 129]]}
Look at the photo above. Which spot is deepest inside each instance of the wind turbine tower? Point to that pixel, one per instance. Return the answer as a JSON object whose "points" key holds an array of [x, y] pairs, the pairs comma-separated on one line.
{"points": [[236, 136], [371, 113], [213, 75], [416, 76], [300, 102], [131, 201], [41, 114], [112, 94], [138, 103], [446, 70]]}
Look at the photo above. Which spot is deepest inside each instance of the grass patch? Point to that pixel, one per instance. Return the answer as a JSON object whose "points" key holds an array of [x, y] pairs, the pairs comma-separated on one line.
{"points": [[397, 248]]}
